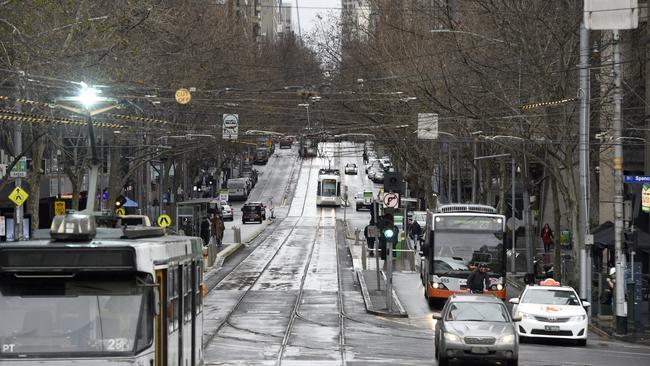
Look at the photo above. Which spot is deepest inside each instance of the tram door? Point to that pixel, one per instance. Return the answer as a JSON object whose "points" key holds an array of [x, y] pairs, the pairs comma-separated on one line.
{"points": [[161, 319]]}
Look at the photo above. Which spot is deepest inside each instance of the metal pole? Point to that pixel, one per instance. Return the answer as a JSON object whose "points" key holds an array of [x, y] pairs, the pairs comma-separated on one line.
{"points": [[585, 270], [512, 214], [58, 173], [93, 173], [621, 316], [449, 169], [474, 178], [459, 193], [375, 208], [18, 212], [308, 119], [389, 275]]}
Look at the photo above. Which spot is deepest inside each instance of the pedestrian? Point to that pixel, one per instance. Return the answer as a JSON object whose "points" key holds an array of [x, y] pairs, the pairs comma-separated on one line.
{"points": [[547, 237], [365, 157], [217, 229], [477, 281], [205, 230], [369, 240]]}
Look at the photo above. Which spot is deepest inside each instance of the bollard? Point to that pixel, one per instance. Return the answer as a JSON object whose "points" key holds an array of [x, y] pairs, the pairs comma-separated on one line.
{"points": [[237, 234]]}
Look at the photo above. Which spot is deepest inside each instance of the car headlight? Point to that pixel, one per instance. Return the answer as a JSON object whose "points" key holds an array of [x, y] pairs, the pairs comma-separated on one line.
{"points": [[578, 318], [452, 338], [507, 339], [523, 315]]}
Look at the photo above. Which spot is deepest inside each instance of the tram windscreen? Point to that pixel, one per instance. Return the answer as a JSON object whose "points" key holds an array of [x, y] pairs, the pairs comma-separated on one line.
{"points": [[73, 316], [460, 241], [329, 188]]}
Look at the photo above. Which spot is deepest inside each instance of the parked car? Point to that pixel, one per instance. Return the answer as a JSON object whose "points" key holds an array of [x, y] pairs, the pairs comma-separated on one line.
{"points": [[550, 310], [351, 168], [253, 211], [285, 143], [475, 327], [226, 213], [378, 176]]}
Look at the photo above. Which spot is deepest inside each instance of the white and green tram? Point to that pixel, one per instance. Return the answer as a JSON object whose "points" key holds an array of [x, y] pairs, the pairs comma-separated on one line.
{"points": [[87, 296]]}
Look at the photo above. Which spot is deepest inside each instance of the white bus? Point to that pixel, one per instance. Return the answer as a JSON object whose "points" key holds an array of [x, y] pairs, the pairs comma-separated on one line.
{"points": [[87, 296], [459, 237], [329, 188]]}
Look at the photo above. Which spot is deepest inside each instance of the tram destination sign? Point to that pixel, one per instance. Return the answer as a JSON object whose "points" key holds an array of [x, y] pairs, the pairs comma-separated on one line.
{"points": [[639, 179], [477, 223]]}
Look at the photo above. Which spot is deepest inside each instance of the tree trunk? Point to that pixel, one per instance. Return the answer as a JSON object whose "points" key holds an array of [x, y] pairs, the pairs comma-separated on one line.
{"points": [[34, 179], [501, 205], [557, 248], [114, 172]]}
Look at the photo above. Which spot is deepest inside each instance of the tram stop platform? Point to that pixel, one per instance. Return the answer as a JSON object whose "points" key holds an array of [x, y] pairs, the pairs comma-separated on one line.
{"points": [[374, 297]]}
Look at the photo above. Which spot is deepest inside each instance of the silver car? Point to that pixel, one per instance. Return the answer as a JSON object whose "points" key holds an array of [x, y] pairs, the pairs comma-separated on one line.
{"points": [[226, 212], [476, 327]]}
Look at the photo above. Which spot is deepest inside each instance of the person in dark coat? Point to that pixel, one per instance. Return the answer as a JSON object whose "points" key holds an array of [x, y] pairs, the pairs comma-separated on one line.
{"points": [[217, 229], [205, 230], [370, 241], [478, 280]]}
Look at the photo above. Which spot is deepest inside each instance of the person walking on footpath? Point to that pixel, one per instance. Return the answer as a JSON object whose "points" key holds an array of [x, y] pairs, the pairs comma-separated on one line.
{"points": [[205, 230], [547, 237], [369, 240], [217, 229]]}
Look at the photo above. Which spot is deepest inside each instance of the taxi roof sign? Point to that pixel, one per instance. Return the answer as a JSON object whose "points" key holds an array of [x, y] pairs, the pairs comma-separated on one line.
{"points": [[550, 282]]}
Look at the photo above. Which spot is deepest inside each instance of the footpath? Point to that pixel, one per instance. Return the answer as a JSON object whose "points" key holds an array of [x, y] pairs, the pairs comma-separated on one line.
{"points": [[372, 282]]}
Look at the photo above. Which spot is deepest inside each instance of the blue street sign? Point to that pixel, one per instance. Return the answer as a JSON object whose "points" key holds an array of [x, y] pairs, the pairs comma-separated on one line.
{"points": [[637, 179]]}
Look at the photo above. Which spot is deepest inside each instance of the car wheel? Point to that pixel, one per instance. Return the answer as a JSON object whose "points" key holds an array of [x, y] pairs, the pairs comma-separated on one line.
{"points": [[443, 361], [514, 362], [581, 342]]}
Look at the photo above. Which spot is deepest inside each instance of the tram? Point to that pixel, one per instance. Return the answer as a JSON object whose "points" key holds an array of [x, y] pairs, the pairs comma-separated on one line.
{"points": [[458, 238], [329, 188], [101, 296]]}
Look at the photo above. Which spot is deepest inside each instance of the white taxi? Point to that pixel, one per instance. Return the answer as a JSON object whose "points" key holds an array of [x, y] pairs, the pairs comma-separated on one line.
{"points": [[549, 310]]}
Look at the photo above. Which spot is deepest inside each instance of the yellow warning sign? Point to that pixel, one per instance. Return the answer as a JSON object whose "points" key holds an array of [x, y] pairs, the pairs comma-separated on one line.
{"points": [[18, 196], [164, 220], [59, 207], [183, 96], [120, 211]]}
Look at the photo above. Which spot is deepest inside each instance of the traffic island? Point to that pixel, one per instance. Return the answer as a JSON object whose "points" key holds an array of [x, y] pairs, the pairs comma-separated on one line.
{"points": [[375, 297]]}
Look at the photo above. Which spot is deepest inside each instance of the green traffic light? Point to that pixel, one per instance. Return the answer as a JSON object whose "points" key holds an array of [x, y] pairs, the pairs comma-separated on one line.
{"points": [[388, 233]]}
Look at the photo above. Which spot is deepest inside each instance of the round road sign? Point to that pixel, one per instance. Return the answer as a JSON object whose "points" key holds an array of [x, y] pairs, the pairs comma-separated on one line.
{"points": [[164, 220], [391, 200], [183, 96]]}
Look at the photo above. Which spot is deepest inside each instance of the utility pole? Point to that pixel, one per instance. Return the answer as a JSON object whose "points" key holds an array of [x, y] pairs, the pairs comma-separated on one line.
{"points": [[584, 93], [621, 314], [18, 148]]}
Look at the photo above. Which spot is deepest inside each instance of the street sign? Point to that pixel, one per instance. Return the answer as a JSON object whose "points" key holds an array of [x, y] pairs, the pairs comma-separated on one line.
{"points": [[391, 200], [59, 208], [230, 126], [223, 195], [611, 14], [637, 179], [183, 96], [164, 220], [427, 126], [120, 211], [18, 196], [20, 169]]}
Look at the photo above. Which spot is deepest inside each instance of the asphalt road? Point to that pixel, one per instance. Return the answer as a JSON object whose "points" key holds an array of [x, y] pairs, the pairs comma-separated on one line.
{"points": [[290, 296]]}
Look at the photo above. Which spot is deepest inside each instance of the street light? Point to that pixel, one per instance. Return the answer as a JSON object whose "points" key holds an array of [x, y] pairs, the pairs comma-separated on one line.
{"points": [[306, 105]]}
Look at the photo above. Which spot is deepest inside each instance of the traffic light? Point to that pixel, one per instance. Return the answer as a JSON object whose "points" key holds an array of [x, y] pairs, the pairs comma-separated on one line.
{"points": [[120, 201], [393, 182], [389, 233]]}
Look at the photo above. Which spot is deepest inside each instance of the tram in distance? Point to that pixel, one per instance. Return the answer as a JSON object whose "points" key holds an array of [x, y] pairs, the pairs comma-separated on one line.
{"points": [[459, 237], [329, 188], [101, 296]]}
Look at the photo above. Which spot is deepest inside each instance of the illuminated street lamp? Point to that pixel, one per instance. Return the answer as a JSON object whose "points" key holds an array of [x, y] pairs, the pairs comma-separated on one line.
{"points": [[88, 97]]}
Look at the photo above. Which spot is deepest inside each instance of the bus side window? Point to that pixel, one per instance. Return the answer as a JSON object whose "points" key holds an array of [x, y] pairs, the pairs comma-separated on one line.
{"points": [[199, 282], [319, 189], [170, 302], [187, 296]]}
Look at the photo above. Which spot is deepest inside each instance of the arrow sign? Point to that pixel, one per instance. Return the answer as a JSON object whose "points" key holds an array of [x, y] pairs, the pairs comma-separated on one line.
{"points": [[164, 220], [18, 196], [391, 200]]}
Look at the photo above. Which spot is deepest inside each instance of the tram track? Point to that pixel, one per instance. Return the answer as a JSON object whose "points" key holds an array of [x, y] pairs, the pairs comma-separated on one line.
{"points": [[240, 300]]}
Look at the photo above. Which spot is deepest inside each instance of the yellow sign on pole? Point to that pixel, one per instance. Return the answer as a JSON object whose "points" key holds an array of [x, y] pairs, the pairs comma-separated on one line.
{"points": [[120, 211], [59, 208], [164, 220], [18, 196], [183, 96]]}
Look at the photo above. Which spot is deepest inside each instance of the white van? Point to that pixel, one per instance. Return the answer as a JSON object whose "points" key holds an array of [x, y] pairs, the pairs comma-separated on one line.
{"points": [[237, 189]]}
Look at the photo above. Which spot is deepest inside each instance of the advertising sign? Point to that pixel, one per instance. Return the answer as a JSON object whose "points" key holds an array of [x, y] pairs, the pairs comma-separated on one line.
{"points": [[645, 198], [230, 126]]}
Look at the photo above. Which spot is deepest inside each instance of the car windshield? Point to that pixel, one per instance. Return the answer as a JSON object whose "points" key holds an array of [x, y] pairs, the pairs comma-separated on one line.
{"points": [[550, 297], [477, 311], [89, 315]]}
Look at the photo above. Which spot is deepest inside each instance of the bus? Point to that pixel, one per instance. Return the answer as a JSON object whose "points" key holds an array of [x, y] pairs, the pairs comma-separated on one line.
{"points": [[308, 148], [329, 188], [459, 237], [100, 296]]}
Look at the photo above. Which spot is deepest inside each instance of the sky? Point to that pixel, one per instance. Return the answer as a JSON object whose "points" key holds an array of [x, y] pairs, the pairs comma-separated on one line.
{"points": [[309, 9]]}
